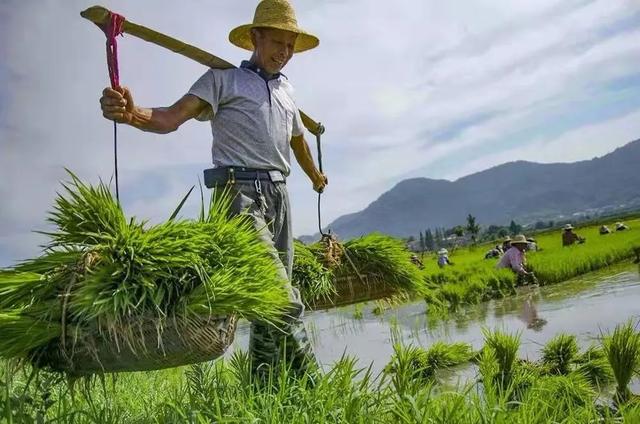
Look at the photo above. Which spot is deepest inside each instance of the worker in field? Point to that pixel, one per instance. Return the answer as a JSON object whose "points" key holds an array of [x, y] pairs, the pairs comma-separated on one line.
{"points": [[496, 252], [569, 237], [506, 243], [604, 230], [255, 123], [515, 259], [621, 226], [532, 245], [443, 258]]}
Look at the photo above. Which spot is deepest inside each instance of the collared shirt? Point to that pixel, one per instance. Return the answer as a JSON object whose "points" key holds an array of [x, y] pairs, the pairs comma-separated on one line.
{"points": [[514, 259], [253, 117]]}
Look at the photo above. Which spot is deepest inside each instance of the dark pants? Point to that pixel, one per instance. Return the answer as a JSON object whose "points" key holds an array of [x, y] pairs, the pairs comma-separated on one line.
{"points": [[270, 214]]}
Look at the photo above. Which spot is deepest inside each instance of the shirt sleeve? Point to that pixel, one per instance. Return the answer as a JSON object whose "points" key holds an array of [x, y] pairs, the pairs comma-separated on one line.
{"points": [[208, 88]]}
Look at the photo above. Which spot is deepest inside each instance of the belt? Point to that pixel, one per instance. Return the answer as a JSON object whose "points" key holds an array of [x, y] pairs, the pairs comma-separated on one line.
{"points": [[214, 176]]}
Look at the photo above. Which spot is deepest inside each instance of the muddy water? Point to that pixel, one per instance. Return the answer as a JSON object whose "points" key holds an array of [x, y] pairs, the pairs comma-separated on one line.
{"points": [[586, 307]]}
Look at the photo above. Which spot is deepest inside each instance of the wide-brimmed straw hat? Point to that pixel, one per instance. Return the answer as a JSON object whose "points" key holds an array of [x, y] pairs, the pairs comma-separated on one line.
{"points": [[443, 251], [507, 238], [519, 239], [568, 227], [276, 14]]}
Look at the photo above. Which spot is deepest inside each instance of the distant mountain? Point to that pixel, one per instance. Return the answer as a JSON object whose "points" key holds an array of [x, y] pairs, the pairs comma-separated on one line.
{"points": [[523, 191]]}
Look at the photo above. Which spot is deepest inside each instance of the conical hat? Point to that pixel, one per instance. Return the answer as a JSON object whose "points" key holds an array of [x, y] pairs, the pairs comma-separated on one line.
{"points": [[276, 14]]}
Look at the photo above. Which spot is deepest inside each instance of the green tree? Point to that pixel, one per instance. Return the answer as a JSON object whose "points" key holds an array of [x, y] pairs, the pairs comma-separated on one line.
{"points": [[472, 227], [421, 242], [514, 228], [458, 230], [429, 241]]}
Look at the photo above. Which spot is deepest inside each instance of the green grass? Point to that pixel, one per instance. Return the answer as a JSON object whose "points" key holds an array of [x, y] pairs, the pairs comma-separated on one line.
{"points": [[406, 392]]}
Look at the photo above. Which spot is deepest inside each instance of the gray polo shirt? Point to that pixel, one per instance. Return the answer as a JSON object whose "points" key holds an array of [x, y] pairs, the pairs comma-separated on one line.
{"points": [[252, 118]]}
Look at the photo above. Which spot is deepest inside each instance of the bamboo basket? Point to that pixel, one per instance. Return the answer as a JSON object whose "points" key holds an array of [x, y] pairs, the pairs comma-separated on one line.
{"points": [[148, 346], [352, 289]]}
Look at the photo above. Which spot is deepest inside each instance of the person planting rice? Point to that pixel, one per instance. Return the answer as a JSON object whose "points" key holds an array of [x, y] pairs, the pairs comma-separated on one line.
{"points": [[443, 258], [506, 243], [620, 226], [254, 122], [604, 230], [569, 237], [515, 259]]}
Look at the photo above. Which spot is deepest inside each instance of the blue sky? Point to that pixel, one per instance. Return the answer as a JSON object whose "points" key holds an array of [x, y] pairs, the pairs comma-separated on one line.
{"points": [[410, 88]]}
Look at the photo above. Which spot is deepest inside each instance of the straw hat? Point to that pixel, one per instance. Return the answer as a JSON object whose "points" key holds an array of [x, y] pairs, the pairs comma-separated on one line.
{"points": [[568, 227], [507, 238], [443, 251], [519, 239], [276, 14]]}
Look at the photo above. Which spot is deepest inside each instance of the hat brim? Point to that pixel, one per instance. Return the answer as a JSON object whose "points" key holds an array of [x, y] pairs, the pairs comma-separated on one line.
{"points": [[241, 36]]}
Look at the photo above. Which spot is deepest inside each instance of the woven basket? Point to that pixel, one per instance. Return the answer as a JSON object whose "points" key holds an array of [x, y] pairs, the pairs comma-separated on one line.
{"points": [[179, 342], [352, 289]]}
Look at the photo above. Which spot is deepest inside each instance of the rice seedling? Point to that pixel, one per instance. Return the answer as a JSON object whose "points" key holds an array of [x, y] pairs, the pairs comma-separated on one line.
{"points": [[594, 366], [384, 260], [505, 348], [310, 276], [622, 348], [423, 363], [358, 311], [559, 353]]}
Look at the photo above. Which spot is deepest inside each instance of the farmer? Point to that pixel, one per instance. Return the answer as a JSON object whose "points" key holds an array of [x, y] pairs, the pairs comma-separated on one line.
{"points": [[496, 252], [620, 226], [506, 243], [254, 121], [604, 230], [569, 237], [515, 259], [443, 258]]}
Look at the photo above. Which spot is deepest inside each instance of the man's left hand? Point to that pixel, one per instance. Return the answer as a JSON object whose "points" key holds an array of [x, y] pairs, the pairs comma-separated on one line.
{"points": [[320, 183]]}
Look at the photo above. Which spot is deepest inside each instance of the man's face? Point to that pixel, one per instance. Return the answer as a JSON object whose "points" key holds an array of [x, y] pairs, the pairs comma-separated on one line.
{"points": [[273, 48]]}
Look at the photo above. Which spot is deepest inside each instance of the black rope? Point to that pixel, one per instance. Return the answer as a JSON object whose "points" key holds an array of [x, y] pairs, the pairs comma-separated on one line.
{"points": [[320, 130], [115, 158]]}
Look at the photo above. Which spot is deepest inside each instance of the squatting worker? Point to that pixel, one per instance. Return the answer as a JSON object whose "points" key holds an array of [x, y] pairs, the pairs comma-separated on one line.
{"points": [[254, 122]]}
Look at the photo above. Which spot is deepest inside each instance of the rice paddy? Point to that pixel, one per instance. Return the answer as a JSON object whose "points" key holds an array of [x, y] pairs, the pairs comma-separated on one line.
{"points": [[473, 278], [107, 270], [505, 390]]}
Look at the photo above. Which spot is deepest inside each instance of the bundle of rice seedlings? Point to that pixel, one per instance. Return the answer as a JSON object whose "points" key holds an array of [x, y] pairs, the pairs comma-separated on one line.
{"points": [[314, 281], [622, 349], [505, 347], [103, 272], [384, 260], [560, 353], [594, 366], [423, 363]]}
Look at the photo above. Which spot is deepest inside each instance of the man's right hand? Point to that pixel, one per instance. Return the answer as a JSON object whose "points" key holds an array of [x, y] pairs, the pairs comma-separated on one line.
{"points": [[117, 104]]}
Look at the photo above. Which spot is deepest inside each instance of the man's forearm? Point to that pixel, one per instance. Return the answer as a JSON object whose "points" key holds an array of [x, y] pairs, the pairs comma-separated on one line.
{"points": [[303, 156], [154, 120]]}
